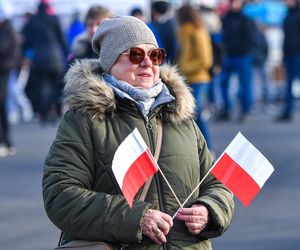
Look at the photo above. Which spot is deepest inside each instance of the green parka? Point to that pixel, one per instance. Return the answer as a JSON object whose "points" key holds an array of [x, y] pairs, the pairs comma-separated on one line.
{"points": [[81, 195]]}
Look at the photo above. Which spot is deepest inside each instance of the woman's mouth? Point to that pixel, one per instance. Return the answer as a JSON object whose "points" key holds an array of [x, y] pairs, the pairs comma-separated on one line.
{"points": [[145, 75]]}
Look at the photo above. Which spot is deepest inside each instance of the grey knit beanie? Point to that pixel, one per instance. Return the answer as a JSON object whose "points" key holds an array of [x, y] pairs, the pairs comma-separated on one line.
{"points": [[116, 35]]}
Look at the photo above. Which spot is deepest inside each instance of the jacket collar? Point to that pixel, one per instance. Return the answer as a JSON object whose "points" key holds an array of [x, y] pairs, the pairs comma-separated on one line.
{"points": [[86, 90]]}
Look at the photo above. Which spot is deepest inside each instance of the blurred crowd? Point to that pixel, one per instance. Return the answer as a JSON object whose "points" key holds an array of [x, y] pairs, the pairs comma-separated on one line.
{"points": [[214, 43]]}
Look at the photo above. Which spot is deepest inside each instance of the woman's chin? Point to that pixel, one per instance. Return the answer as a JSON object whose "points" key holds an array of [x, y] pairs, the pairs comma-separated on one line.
{"points": [[144, 85]]}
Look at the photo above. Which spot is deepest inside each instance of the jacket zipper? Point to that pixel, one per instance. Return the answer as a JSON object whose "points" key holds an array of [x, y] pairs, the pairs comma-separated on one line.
{"points": [[156, 177]]}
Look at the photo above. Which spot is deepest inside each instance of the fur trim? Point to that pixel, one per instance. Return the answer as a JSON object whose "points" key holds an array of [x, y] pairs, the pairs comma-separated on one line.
{"points": [[86, 90], [185, 104]]}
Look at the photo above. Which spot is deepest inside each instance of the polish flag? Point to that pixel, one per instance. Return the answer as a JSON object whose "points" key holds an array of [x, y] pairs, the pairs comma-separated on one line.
{"points": [[243, 169], [132, 165]]}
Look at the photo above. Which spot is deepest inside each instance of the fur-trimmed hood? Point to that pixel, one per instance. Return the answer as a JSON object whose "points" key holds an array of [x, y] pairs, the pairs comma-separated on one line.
{"points": [[86, 90]]}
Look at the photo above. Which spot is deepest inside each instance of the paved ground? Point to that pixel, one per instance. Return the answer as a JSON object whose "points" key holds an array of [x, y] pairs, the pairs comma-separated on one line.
{"points": [[271, 222]]}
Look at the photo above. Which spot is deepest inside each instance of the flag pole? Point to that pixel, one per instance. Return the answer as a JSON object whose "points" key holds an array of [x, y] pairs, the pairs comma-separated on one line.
{"points": [[186, 200], [170, 186], [164, 177]]}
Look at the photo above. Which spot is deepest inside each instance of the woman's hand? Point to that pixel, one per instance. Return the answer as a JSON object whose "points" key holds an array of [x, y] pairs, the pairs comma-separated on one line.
{"points": [[195, 218], [156, 225]]}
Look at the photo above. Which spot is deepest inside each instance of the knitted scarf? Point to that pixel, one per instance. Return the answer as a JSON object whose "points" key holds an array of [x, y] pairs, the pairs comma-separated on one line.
{"points": [[144, 98]]}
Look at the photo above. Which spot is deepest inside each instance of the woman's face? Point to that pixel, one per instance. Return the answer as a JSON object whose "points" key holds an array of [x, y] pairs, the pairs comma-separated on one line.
{"points": [[142, 75]]}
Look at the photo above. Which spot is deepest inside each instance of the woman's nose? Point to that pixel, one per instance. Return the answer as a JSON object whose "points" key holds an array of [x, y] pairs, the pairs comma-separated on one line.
{"points": [[147, 61]]}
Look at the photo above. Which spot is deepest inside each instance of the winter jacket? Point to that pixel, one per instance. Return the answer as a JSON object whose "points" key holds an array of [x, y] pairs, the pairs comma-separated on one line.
{"points": [[45, 42], [166, 32], [81, 194], [291, 28], [239, 34], [195, 56], [8, 46], [260, 49]]}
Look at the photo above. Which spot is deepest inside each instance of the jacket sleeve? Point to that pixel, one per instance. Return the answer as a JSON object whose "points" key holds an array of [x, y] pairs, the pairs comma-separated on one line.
{"points": [[69, 199], [214, 195]]}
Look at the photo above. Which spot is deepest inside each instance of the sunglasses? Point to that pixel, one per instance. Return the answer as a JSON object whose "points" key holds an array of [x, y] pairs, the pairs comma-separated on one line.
{"points": [[137, 55]]}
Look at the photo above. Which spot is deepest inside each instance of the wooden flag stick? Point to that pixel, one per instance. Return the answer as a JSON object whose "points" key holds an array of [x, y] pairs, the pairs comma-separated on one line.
{"points": [[164, 177], [170, 187], [186, 200]]}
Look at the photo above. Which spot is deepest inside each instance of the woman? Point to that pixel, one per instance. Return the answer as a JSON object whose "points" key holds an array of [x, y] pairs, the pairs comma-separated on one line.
{"points": [[195, 59], [108, 98]]}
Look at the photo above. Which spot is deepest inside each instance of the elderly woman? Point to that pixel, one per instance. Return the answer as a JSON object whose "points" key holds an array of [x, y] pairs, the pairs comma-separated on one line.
{"points": [[108, 98]]}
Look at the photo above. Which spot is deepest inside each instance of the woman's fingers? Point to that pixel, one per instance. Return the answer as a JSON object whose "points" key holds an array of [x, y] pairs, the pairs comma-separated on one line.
{"points": [[195, 228], [195, 218], [156, 225], [159, 236], [165, 223]]}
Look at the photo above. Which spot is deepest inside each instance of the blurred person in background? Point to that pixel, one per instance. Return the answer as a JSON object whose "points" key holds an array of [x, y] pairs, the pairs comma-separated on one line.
{"points": [[291, 56], [126, 88], [164, 23], [259, 53], [81, 46], [76, 27], [222, 7], [195, 59], [238, 37], [45, 49], [8, 62], [50, 10], [19, 105], [138, 13], [25, 63], [213, 24]]}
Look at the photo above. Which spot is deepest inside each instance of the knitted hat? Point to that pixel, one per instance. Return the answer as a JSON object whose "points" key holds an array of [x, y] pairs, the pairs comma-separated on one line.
{"points": [[118, 34]]}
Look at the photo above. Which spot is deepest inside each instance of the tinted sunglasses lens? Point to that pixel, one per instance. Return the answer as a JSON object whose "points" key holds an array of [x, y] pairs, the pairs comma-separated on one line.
{"points": [[136, 55], [157, 56]]}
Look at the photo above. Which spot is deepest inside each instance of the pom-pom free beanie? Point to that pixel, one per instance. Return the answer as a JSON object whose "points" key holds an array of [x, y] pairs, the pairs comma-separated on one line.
{"points": [[118, 34]]}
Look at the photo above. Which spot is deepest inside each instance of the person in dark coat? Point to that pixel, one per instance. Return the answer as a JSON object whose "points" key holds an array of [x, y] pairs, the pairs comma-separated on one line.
{"points": [[138, 13], [164, 25], [238, 40], [46, 48], [291, 54], [8, 60]]}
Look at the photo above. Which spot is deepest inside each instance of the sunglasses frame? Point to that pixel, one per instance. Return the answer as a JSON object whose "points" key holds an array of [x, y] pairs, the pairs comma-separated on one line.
{"points": [[138, 61]]}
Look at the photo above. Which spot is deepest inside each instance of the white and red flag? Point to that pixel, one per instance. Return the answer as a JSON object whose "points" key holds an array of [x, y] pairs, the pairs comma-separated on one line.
{"points": [[133, 164], [243, 169]]}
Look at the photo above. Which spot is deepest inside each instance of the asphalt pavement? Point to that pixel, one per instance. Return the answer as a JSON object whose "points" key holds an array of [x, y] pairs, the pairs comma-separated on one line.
{"points": [[271, 222]]}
